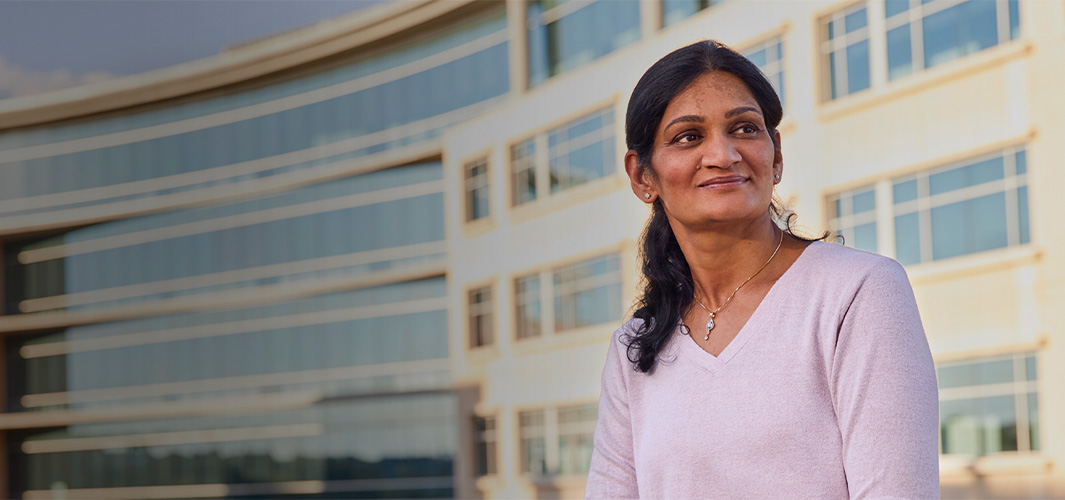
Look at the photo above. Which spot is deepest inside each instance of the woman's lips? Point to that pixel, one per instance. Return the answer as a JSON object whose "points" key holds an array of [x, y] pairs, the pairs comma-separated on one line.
{"points": [[724, 182]]}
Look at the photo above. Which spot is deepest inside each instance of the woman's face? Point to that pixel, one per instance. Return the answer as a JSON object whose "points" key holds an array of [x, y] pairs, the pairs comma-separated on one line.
{"points": [[714, 160]]}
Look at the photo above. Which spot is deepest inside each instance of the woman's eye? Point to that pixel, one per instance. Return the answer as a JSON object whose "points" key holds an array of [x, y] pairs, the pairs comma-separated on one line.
{"points": [[683, 138], [747, 129]]}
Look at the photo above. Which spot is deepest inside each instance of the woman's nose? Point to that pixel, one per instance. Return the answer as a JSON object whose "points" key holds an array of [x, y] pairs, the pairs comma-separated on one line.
{"points": [[719, 152]]}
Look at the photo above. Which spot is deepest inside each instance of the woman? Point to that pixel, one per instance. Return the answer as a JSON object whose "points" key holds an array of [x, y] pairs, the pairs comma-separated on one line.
{"points": [[758, 364]]}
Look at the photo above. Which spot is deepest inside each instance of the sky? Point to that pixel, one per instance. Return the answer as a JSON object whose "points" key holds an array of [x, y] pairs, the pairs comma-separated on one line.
{"points": [[52, 44]]}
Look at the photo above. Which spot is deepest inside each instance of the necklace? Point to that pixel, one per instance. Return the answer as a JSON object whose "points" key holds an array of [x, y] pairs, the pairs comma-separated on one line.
{"points": [[713, 314]]}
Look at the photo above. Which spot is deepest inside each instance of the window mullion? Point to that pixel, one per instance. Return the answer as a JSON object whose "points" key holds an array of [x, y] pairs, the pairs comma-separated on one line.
{"points": [[917, 39], [1002, 20], [1020, 377], [885, 220], [547, 299], [877, 36], [551, 437], [541, 158]]}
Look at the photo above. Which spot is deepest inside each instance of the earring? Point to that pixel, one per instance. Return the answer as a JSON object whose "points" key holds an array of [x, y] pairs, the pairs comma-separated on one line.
{"points": [[776, 177], [647, 196]]}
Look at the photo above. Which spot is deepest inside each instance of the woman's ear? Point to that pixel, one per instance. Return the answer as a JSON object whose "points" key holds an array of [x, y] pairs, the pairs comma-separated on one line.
{"points": [[642, 179], [778, 159]]}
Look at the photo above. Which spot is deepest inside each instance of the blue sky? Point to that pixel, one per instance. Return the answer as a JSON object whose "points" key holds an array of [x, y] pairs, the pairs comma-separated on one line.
{"points": [[51, 44]]}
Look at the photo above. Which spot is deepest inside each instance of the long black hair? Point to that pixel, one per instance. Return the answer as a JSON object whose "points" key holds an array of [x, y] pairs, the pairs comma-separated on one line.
{"points": [[667, 286]]}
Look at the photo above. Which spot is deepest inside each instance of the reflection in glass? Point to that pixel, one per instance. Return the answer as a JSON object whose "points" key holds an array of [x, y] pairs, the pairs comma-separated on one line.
{"points": [[581, 150]]}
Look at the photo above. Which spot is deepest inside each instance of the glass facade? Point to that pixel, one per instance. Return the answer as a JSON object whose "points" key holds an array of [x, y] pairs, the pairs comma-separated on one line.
{"points": [[989, 405], [341, 227], [362, 448], [565, 34], [974, 206], [330, 120], [926, 34], [854, 217]]}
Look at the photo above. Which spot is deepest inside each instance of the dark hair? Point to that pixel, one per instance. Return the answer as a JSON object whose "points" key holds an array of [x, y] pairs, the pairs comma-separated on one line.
{"points": [[667, 286]]}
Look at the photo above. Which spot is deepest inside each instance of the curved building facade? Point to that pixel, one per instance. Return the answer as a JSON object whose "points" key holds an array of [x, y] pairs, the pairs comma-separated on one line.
{"points": [[382, 256]]}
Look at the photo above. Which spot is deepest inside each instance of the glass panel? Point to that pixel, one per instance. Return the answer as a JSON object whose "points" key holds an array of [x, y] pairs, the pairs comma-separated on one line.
{"points": [[979, 373], [677, 10], [533, 442], [1022, 215], [979, 426], [969, 226], [1021, 161], [832, 76], [969, 175], [959, 31], [892, 7], [865, 237], [528, 303], [855, 20], [581, 36], [899, 52], [858, 67], [907, 239], [864, 201], [758, 57], [1015, 19], [905, 190], [1035, 434], [587, 293], [1029, 367]]}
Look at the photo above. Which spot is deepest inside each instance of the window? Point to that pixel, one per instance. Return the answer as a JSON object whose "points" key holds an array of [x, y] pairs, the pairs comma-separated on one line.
{"points": [[523, 168], [527, 295], [557, 441], [586, 293], [769, 57], [845, 51], [989, 405], [477, 189], [674, 11], [923, 34], [565, 34], [855, 217], [978, 205], [480, 306], [577, 152], [484, 435]]}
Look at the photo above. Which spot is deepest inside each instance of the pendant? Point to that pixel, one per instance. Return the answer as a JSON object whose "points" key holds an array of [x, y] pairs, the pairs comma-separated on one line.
{"points": [[709, 326]]}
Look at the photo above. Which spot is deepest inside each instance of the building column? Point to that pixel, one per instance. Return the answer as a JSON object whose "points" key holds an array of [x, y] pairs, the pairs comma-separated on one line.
{"points": [[517, 47]]}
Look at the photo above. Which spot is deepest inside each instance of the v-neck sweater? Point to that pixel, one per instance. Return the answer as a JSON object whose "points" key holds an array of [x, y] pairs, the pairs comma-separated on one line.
{"points": [[828, 391]]}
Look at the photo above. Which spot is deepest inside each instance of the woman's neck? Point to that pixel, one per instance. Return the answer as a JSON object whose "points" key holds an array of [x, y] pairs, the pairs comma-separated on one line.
{"points": [[722, 258]]}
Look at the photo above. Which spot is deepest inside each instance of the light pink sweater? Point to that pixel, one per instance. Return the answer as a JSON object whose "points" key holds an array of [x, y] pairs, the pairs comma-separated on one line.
{"points": [[829, 391]]}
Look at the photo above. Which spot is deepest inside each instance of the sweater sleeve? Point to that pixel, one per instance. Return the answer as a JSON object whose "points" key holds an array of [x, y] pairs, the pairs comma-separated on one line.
{"points": [[613, 472], [885, 392]]}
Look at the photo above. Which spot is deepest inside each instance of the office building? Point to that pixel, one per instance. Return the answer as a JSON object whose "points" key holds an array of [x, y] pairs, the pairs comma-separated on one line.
{"points": [[382, 256]]}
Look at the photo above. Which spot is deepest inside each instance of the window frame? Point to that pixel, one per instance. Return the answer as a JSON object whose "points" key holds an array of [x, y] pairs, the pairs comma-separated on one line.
{"points": [[474, 182], [476, 339], [829, 46], [1019, 233], [550, 433], [547, 293], [486, 442], [539, 161], [1020, 388]]}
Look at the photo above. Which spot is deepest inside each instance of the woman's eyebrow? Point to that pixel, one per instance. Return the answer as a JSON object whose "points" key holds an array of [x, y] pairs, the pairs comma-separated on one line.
{"points": [[685, 118], [741, 110]]}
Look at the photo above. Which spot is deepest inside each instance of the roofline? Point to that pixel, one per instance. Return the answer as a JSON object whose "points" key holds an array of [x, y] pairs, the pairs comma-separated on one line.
{"points": [[241, 63]]}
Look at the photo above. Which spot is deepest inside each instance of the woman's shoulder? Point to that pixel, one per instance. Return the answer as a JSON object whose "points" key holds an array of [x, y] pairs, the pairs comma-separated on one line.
{"points": [[835, 262]]}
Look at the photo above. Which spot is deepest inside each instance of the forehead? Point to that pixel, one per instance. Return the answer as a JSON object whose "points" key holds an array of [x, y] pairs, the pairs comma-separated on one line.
{"points": [[711, 95]]}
